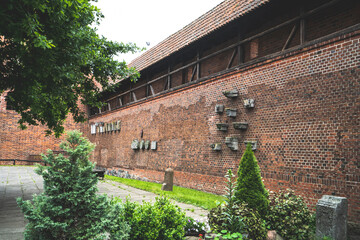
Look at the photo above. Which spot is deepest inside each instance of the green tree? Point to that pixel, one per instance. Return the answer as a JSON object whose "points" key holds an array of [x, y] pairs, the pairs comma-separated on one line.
{"points": [[69, 207], [250, 188], [51, 58]]}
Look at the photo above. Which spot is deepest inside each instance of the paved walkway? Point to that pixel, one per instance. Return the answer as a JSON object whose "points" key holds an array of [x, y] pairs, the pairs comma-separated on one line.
{"points": [[24, 182]]}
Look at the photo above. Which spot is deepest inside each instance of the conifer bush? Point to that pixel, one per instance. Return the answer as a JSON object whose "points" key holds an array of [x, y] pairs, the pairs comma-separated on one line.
{"points": [[250, 188], [236, 217], [69, 207]]}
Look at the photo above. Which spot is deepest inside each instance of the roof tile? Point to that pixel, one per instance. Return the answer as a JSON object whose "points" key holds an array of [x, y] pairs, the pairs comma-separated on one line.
{"points": [[217, 17]]}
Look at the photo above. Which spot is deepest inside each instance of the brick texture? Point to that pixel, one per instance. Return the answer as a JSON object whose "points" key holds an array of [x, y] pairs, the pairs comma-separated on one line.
{"points": [[306, 122], [22, 144]]}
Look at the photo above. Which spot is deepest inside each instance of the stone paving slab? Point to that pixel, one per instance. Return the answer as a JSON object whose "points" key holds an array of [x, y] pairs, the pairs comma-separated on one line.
{"points": [[122, 191], [23, 182]]}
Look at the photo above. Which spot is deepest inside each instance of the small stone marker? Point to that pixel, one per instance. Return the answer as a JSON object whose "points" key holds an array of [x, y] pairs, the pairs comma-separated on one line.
{"points": [[331, 217], [272, 235], [168, 180]]}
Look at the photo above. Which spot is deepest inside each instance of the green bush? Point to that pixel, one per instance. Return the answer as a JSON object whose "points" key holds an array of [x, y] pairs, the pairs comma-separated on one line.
{"points": [[117, 226], [161, 220], [250, 188], [69, 207], [234, 223], [255, 227], [289, 216]]}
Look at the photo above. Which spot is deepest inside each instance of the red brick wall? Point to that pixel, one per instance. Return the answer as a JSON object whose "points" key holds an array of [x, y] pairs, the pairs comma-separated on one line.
{"points": [[306, 122], [20, 144]]}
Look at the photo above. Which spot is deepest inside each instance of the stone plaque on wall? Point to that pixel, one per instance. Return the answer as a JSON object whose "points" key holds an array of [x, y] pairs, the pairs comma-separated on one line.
{"points": [[147, 144], [153, 145], [253, 144], [93, 128], [142, 144], [135, 144]]}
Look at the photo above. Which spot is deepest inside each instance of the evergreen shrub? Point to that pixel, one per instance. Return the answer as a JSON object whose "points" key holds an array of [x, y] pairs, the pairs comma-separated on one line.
{"points": [[250, 188], [69, 207], [234, 217]]}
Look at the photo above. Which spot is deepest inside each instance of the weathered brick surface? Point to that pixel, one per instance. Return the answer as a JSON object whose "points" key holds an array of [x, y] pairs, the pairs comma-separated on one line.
{"points": [[20, 144], [306, 122]]}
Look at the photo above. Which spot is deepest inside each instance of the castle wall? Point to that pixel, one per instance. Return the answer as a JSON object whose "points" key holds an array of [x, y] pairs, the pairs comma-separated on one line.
{"points": [[305, 122]]}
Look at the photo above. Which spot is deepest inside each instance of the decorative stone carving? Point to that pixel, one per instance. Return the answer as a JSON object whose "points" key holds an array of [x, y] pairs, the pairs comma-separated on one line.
{"points": [[168, 180], [219, 108], [142, 144], [101, 128], [253, 144], [222, 126], [147, 144], [117, 125], [135, 144], [249, 103], [93, 128], [153, 145], [231, 94], [331, 217], [216, 146], [240, 125], [230, 112], [232, 143]]}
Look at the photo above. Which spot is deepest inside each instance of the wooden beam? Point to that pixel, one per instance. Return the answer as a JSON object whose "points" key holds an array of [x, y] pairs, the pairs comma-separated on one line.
{"points": [[166, 84], [193, 73], [302, 27], [152, 90], [197, 65], [241, 53], [147, 87], [291, 35], [231, 58], [169, 77], [130, 92]]}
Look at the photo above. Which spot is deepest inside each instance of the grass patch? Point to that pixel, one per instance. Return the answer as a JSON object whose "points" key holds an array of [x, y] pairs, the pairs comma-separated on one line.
{"points": [[180, 194]]}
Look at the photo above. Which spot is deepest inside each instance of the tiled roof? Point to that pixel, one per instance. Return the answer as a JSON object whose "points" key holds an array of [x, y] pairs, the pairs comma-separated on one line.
{"points": [[217, 17]]}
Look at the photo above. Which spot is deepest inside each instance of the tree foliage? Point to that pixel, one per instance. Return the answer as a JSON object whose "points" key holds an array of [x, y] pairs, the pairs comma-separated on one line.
{"points": [[250, 188], [69, 207], [51, 58]]}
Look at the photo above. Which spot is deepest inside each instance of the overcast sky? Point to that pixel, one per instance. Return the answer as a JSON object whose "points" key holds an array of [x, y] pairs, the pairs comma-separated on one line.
{"points": [[142, 21]]}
